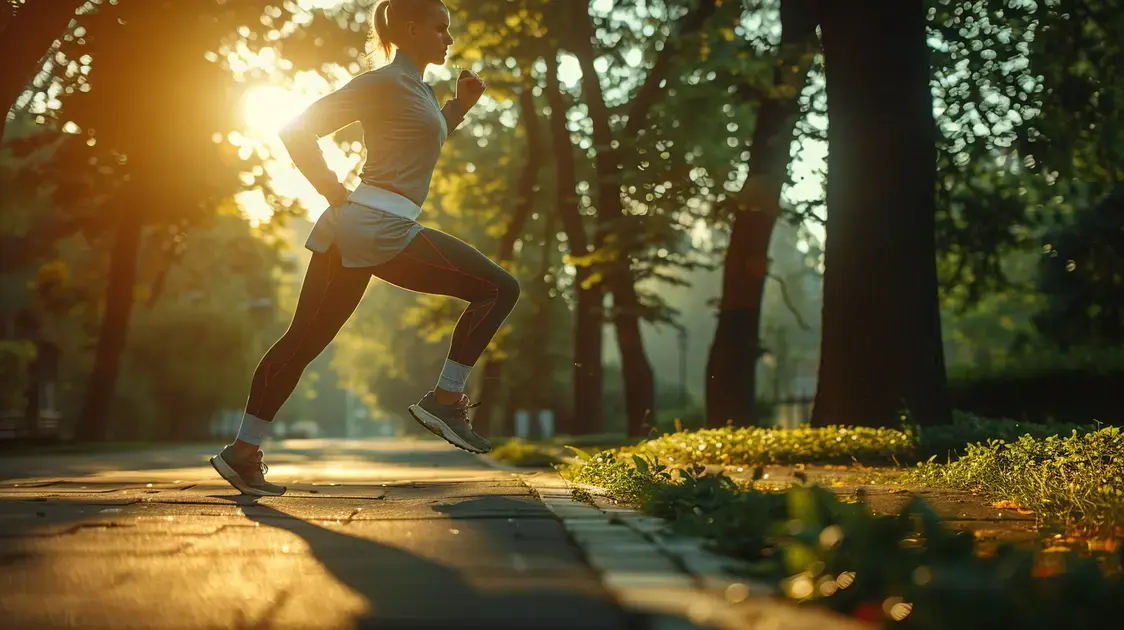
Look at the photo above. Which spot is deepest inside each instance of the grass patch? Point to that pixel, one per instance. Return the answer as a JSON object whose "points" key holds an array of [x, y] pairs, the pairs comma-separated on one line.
{"points": [[517, 452], [750, 446], [908, 570], [1074, 482], [753, 446], [949, 442], [548, 453]]}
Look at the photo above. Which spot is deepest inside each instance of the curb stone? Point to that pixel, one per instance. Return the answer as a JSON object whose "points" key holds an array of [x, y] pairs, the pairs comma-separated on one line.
{"points": [[670, 579]]}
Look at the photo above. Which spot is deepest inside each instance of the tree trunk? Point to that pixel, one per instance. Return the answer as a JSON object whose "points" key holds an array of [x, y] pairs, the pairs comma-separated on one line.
{"points": [[731, 383], [588, 374], [490, 385], [101, 386], [639, 381], [543, 326], [486, 419], [881, 351], [25, 38]]}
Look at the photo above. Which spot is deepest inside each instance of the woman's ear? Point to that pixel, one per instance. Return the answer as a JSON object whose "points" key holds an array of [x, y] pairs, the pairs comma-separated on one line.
{"points": [[411, 28]]}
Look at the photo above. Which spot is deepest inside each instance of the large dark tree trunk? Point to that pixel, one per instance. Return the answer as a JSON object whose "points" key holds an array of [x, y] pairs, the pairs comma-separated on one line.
{"points": [[588, 375], [881, 350], [26, 34], [102, 384], [731, 382], [490, 385]]}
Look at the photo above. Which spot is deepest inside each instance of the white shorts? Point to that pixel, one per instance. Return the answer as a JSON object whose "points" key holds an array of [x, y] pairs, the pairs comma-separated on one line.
{"points": [[372, 227]]}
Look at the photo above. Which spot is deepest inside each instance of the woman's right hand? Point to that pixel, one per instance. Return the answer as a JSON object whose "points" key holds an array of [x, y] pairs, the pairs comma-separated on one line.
{"points": [[338, 197]]}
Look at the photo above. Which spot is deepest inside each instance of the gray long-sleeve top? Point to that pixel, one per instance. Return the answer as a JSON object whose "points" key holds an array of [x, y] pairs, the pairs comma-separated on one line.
{"points": [[404, 128]]}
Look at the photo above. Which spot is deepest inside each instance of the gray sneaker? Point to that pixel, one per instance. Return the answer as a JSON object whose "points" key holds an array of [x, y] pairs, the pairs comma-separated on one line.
{"points": [[450, 423], [246, 474]]}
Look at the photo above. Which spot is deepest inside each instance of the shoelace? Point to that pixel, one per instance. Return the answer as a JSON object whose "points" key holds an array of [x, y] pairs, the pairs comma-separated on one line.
{"points": [[463, 412], [261, 464]]}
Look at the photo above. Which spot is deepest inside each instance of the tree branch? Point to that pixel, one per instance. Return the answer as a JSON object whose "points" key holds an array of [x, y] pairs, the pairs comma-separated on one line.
{"points": [[647, 96], [788, 302]]}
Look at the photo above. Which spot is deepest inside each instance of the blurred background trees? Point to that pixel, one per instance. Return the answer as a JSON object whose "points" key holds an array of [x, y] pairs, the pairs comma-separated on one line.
{"points": [[656, 174]]}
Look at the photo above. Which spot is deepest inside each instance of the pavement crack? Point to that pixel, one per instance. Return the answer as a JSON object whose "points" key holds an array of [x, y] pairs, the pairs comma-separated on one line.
{"points": [[97, 553]]}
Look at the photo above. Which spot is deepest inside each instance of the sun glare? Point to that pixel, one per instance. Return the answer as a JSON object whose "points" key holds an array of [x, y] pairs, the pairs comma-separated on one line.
{"points": [[267, 108]]}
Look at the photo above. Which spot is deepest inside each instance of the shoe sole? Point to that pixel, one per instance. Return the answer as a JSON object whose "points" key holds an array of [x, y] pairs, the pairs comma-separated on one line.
{"points": [[234, 479], [435, 426]]}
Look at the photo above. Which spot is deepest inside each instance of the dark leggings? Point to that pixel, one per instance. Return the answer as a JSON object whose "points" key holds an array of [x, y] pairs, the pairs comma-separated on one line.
{"points": [[433, 263]]}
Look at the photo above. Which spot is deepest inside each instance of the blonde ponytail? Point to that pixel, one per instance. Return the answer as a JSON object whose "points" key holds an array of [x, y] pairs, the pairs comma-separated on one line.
{"points": [[380, 38]]}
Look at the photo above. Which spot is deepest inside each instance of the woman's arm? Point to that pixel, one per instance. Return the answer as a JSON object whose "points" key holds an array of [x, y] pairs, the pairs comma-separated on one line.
{"points": [[454, 112], [301, 138], [469, 89]]}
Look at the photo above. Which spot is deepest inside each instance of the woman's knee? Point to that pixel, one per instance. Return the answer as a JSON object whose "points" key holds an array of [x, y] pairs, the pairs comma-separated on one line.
{"points": [[508, 288], [292, 350]]}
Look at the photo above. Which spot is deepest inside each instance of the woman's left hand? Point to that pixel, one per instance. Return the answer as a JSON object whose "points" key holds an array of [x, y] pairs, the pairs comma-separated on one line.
{"points": [[469, 88]]}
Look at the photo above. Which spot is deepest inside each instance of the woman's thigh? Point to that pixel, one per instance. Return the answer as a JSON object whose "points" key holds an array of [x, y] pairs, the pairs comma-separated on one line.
{"points": [[439, 264]]}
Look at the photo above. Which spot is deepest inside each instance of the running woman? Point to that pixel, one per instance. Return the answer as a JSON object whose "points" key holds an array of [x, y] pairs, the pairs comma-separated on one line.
{"points": [[373, 231]]}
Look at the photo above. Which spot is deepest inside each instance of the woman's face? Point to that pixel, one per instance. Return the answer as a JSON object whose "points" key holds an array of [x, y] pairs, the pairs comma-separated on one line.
{"points": [[428, 37]]}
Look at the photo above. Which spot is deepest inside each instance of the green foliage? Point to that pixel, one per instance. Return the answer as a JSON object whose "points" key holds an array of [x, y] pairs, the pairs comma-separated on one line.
{"points": [[1045, 361], [906, 571], [517, 452], [192, 349], [1075, 482], [950, 442], [1082, 278], [749, 446], [1027, 104], [754, 446], [181, 367], [1079, 385], [550, 453], [624, 481]]}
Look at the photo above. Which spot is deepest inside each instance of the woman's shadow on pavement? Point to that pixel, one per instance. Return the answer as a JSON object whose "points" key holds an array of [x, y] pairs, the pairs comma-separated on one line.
{"points": [[406, 591]]}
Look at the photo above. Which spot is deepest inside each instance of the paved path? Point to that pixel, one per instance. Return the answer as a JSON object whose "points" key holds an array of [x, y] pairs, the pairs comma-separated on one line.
{"points": [[380, 534]]}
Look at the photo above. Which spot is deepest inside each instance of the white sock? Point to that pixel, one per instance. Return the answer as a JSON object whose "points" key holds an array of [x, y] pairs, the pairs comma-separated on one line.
{"points": [[454, 376], [254, 430]]}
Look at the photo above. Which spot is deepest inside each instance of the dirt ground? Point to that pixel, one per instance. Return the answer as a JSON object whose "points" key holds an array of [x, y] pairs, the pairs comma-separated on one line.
{"points": [[990, 521]]}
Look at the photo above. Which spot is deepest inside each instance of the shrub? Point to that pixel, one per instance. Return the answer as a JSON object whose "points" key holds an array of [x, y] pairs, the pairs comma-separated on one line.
{"points": [[1074, 482]]}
